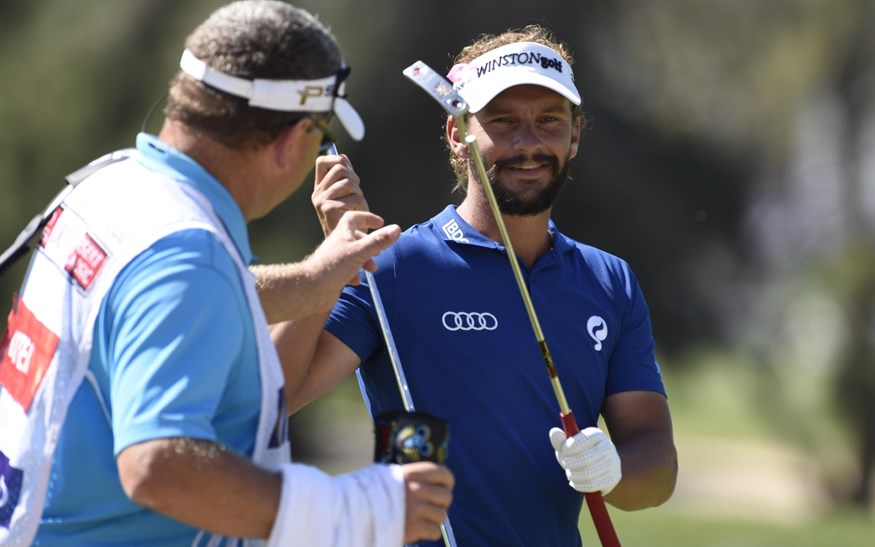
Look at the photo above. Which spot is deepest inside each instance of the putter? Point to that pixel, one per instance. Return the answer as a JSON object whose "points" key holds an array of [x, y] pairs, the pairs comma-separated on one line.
{"points": [[442, 91], [403, 388]]}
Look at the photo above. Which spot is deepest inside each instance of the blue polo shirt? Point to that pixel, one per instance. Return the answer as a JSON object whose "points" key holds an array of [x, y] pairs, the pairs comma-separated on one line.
{"points": [[174, 355], [470, 356]]}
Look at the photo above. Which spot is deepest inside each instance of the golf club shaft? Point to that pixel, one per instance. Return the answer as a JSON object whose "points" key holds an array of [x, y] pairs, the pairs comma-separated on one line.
{"points": [[403, 388], [471, 143], [594, 500]]}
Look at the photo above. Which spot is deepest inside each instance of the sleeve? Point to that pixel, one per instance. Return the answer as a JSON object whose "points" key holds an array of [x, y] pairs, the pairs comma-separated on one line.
{"points": [[633, 364], [174, 325], [354, 321]]}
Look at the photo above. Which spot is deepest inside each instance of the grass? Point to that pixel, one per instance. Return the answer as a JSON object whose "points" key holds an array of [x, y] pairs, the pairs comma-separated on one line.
{"points": [[666, 527], [742, 482]]}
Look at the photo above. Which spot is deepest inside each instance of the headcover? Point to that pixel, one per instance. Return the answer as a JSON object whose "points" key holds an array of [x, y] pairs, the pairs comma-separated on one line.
{"points": [[322, 95], [479, 81], [409, 436]]}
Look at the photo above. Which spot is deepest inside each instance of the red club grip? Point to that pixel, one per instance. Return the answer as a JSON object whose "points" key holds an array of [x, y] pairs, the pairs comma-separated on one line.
{"points": [[594, 501], [569, 424]]}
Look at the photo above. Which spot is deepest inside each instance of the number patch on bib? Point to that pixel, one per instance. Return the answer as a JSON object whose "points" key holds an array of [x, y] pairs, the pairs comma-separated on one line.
{"points": [[27, 349]]}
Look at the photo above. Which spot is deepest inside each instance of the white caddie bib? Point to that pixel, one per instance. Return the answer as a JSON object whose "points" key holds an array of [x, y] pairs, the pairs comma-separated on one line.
{"points": [[97, 229]]}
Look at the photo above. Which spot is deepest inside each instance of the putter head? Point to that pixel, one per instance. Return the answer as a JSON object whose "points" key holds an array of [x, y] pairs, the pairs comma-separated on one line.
{"points": [[438, 87]]}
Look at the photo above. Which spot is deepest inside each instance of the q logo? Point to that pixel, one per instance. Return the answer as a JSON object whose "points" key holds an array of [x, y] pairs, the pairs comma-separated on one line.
{"points": [[598, 330]]}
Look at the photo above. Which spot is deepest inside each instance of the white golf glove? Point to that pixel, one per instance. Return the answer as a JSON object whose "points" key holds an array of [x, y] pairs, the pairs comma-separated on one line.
{"points": [[590, 459]]}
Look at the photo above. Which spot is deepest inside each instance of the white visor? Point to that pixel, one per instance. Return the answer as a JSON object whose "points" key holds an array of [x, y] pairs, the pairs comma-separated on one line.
{"points": [[283, 95], [479, 81]]}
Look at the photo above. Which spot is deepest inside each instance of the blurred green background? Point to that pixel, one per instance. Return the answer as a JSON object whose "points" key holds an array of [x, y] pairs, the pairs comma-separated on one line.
{"points": [[730, 159]]}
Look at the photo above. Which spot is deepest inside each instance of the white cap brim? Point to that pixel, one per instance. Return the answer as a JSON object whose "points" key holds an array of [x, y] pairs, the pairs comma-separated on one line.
{"points": [[349, 118], [282, 95]]}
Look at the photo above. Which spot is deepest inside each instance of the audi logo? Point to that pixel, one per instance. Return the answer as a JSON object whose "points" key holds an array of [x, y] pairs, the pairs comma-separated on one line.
{"points": [[462, 320]]}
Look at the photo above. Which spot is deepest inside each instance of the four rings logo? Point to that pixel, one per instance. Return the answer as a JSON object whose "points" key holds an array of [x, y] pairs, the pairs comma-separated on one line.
{"points": [[463, 320]]}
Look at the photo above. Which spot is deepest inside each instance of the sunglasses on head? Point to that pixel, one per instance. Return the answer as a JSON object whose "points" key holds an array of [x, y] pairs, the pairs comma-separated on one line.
{"points": [[327, 135], [321, 123]]}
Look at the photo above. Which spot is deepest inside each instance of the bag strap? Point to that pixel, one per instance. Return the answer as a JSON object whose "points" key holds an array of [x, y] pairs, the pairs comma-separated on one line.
{"points": [[22, 243]]}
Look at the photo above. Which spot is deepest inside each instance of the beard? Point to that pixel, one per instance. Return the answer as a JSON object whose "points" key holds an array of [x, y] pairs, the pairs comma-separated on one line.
{"points": [[512, 203]]}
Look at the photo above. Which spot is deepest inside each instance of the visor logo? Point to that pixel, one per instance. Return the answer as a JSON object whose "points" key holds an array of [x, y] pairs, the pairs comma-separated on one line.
{"points": [[523, 58], [311, 91], [314, 91], [468, 321], [598, 330]]}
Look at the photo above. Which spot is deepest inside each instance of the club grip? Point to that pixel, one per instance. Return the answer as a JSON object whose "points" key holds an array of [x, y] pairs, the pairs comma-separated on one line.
{"points": [[569, 424], [594, 501]]}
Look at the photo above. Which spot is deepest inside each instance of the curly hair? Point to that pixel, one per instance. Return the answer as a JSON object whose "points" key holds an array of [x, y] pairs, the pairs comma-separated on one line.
{"points": [[251, 39], [487, 42]]}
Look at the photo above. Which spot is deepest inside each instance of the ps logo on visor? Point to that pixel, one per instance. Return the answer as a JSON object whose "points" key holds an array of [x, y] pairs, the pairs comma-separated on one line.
{"points": [[312, 91], [598, 330]]}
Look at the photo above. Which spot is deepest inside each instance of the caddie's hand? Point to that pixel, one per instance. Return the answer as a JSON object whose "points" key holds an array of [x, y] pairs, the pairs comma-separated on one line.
{"points": [[350, 247], [429, 489], [590, 459], [337, 190]]}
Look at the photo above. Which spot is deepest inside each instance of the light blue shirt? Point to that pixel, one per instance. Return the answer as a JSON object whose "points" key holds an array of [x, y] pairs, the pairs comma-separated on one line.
{"points": [[174, 355]]}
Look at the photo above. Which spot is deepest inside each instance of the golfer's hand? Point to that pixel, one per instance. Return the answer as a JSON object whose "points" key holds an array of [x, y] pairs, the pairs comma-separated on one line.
{"points": [[337, 190], [590, 459], [429, 494]]}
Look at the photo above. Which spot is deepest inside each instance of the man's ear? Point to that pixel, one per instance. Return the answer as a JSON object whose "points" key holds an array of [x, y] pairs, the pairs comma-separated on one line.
{"points": [[290, 142], [575, 136], [454, 138]]}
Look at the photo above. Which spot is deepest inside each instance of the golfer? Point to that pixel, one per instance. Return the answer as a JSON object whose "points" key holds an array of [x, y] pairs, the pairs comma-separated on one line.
{"points": [[462, 331]]}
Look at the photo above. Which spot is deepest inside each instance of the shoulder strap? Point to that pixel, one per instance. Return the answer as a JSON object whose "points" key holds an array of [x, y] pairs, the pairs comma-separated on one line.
{"points": [[22, 243]]}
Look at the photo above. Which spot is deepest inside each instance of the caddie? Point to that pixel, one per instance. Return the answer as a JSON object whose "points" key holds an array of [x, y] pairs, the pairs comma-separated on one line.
{"points": [[141, 397]]}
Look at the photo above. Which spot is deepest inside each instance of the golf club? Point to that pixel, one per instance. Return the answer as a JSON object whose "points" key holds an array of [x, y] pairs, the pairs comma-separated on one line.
{"points": [[403, 388], [442, 90]]}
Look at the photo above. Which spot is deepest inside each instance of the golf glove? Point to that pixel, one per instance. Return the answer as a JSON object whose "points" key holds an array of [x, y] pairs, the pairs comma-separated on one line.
{"points": [[590, 459]]}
